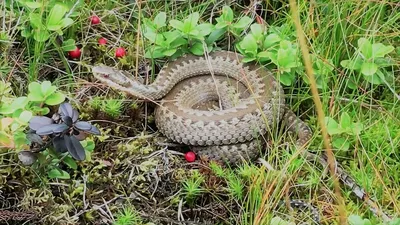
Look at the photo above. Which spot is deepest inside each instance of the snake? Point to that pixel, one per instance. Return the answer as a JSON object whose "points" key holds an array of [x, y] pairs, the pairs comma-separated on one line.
{"points": [[220, 106], [228, 134], [251, 102]]}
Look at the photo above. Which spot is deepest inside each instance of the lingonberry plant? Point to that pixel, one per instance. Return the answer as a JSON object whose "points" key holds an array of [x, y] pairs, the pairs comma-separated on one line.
{"points": [[64, 130]]}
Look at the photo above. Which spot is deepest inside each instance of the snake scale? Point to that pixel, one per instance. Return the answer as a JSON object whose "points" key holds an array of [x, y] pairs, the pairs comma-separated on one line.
{"points": [[251, 104]]}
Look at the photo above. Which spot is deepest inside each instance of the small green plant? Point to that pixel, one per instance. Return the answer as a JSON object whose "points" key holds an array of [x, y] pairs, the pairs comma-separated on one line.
{"points": [[236, 186], [370, 62], [225, 23], [322, 69], [358, 220], [64, 130], [112, 107], [59, 135], [16, 112], [40, 25], [42, 22], [188, 35], [343, 130], [279, 221], [261, 46], [192, 187], [128, 216], [96, 103]]}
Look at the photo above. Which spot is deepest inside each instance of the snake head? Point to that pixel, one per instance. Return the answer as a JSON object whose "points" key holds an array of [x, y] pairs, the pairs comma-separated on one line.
{"points": [[111, 76]]}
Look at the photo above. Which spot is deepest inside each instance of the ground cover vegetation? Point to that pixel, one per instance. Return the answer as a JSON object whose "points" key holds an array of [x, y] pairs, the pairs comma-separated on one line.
{"points": [[73, 151]]}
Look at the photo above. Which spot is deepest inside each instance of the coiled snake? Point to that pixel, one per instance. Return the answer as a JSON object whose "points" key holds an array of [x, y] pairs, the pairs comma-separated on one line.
{"points": [[251, 103], [225, 135]]}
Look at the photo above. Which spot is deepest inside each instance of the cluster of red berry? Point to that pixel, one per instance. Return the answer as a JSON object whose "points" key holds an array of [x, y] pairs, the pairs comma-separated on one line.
{"points": [[119, 52]]}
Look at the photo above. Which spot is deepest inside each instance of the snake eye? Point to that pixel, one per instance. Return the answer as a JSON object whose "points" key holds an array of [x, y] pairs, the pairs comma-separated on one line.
{"points": [[105, 75]]}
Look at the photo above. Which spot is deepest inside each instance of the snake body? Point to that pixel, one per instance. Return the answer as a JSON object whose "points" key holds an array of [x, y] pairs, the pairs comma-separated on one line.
{"points": [[228, 134], [251, 103], [186, 86]]}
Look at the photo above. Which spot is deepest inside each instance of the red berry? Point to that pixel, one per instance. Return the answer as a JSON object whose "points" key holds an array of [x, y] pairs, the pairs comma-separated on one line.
{"points": [[75, 53], [95, 20], [102, 41], [190, 156], [120, 52]]}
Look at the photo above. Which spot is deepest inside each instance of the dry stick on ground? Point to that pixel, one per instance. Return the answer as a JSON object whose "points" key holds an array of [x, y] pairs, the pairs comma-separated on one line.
{"points": [[320, 112]]}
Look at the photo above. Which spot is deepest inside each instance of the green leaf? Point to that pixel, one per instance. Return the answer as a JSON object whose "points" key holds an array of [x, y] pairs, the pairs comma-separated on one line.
{"points": [[341, 143], [195, 33], [26, 32], [55, 99], [248, 59], [88, 145], [190, 22], [176, 24], [385, 62], [345, 120], [242, 23], [149, 25], [264, 55], [35, 20], [18, 103], [197, 49], [33, 5], [205, 29], [41, 35], [380, 50], [46, 88], [54, 27], [352, 83], [40, 110], [36, 96], [5, 140], [215, 36], [156, 38], [285, 56], [56, 14], [374, 79], [66, 22], [160, 19], [395, 221], [257, 31], [69, 161], [58, 173], [286, 78], [69, 45], [356, 128], [227, 14], [171, 36], [369, 68], [154, 52], [180, 41], [169, 52], [249, 44], [352, 64], [25, 116], [355, 220], [221, 24], [332, 126], [270, 40], [365, 47]]}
